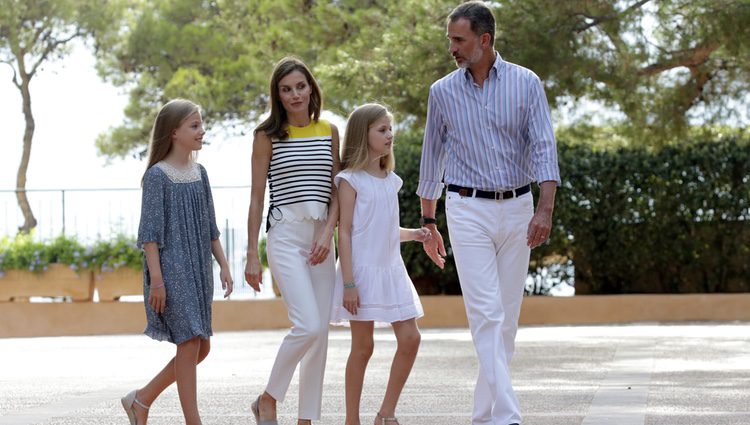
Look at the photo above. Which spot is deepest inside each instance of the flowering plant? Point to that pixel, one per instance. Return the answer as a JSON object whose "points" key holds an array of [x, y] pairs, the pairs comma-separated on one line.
{"points": [[24, 253], [110, 255]]}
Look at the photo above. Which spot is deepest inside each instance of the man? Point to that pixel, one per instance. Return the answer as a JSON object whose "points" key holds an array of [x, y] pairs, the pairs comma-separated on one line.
{"points": [[488, 136]]}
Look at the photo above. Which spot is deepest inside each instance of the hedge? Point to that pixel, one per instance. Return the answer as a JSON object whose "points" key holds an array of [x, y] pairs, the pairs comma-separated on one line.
{"points": [[629, 220]]}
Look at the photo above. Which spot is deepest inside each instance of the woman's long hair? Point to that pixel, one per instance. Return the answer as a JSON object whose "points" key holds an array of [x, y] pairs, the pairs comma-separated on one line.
{"points": [[354, 154], [171, 115], [275, 126]]}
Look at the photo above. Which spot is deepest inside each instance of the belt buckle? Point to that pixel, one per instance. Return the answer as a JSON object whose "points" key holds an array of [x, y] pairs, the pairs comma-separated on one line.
{"points": [[463, 192]]}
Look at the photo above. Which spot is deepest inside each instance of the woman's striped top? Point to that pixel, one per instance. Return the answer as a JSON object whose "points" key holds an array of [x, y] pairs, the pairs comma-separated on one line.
{"points": [[299, 174]]}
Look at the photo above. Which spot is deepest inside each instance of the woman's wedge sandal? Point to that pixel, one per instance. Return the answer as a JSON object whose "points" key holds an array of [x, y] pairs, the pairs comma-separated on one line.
{"points": [[127, 403], [384, 420], [255, 408]]}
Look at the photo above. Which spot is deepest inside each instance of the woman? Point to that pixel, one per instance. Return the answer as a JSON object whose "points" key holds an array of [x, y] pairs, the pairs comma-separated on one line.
{"points": [[296, 153]]}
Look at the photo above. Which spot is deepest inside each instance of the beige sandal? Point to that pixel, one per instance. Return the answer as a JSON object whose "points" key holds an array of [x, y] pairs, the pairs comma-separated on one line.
{"points": [[384, 419], [255, 408], [127, 403]]}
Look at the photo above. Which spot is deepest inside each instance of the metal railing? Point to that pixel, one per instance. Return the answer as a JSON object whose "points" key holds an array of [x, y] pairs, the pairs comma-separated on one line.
{"points": [[92, 214]]}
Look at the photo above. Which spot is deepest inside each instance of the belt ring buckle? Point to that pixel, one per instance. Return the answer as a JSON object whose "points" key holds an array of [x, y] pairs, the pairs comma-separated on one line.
{"points": [[463, 192]]}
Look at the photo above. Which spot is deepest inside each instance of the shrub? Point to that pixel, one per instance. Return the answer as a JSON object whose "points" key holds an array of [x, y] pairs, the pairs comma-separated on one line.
{"points": [[110, 255], [427, 277], [24, 253], [629, 219], [668, 220]]}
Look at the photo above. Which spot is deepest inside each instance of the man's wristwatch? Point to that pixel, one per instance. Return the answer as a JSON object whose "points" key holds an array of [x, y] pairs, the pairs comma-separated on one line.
{"points": [[426, 220]]}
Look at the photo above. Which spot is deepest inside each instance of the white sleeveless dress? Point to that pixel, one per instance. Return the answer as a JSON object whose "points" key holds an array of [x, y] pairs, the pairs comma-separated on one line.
{"points": [[386, 292]]}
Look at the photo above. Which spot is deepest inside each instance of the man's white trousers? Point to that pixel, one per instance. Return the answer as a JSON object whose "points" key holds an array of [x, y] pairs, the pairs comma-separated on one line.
{"points": [[488, 239]]}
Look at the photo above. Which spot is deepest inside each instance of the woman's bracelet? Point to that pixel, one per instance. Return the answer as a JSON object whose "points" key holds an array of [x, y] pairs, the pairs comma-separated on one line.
{"points": [[156, 286], [349, 285]]}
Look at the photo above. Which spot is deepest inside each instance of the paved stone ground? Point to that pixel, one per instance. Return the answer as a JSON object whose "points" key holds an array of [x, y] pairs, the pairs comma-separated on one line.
{"points": [[666, 374]]}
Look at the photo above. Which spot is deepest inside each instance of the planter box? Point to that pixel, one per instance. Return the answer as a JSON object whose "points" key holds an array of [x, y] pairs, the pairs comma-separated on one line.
{"points": [[123, 281], [58, 319], [57, 281]]}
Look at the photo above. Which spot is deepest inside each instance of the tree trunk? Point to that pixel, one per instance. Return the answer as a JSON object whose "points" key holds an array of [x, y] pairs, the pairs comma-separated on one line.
{"points": [[28, 134]]}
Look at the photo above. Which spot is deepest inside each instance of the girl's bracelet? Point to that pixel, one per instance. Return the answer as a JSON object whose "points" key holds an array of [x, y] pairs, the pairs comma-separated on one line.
{"points": [[349, 285], [157, 286]]}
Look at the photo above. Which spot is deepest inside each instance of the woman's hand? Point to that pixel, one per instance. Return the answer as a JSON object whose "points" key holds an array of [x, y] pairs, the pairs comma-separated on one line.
{"points": [[321, 246], [157, 296], [227, 284], [253, 271], [351, 300]]}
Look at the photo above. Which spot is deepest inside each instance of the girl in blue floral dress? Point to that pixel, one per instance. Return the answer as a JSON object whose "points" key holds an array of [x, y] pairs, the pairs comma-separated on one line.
{"points": [[178, 235]]}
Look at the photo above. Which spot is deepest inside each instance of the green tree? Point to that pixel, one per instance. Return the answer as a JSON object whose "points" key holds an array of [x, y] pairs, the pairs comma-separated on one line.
{"points": [[33, 33], [211, 52], [658, 62]]}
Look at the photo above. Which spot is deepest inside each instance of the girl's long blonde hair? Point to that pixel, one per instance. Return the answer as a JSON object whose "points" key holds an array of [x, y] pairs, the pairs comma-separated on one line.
{"points": [[171, 115], [354, 151]]}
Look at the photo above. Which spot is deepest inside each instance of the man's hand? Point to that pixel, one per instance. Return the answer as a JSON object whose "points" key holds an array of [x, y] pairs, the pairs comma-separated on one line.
{"points": [[434, 246], [541, 223], [539, 228]]}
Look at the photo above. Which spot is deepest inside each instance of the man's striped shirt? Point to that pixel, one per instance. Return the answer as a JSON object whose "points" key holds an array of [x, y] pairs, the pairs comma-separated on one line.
{"points": [[495, 137]]}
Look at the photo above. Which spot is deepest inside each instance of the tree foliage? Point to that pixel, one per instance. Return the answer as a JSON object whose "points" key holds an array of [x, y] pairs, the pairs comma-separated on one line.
{"points": [[658, 62]]}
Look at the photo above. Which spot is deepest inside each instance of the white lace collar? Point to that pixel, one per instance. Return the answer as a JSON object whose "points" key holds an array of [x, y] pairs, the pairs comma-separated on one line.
{"points": [[177, 175]]}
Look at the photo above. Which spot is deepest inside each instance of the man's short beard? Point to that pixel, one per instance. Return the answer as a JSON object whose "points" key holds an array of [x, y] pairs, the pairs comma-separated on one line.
{"points": [[468, 62]]}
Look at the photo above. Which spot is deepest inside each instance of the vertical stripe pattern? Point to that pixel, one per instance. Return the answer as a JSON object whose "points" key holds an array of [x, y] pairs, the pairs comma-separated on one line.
{"points": [[495, 137]]}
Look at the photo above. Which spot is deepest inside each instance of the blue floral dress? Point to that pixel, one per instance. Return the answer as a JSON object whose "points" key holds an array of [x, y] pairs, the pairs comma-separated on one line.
{"points": [[178, 214]]}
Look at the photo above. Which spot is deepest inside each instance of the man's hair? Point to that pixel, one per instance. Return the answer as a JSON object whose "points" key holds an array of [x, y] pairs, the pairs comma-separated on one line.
{"points": [[479, 15]]}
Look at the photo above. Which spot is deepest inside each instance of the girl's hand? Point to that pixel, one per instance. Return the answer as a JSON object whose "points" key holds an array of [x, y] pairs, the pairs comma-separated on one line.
{"points": [[227, 284], [351, 300], [422, 234], [157, 297], [253, 271], [321, 246]]}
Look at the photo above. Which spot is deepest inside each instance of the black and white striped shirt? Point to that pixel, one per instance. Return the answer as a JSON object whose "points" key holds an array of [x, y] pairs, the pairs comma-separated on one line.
{"points": [[299, 174]]}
